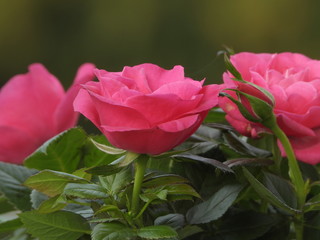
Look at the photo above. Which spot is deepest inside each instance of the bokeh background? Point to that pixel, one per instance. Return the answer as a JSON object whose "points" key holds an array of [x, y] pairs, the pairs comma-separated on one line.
{"points": [[62, 34]]}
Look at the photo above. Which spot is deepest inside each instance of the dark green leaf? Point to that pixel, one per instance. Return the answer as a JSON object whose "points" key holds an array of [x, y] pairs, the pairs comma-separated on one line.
{"points": [[281, 188], [60, 153], [11, 178], [266, 194], [215, 206], [220, 126], [112, 231], [248, 162], [86, 191], [243, 110], [261, 108], [10, 226], [164, 179], [312, 229], [157, 232], [188, 231], [51, 182], [205, 133], [313, 204], [245, 225], [55, 226], [174, 220], [210, 161], [243, 147]]}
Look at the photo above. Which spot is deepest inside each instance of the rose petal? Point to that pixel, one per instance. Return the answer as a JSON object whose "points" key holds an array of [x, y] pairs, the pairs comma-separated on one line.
{"points": [[154, 76], [183, 89], [162, 108], [84, 105], [306, 149], [179, 124], [293, 128], [16, 145], [65, 116], [114, 115], [28, 101], [152, 141]]}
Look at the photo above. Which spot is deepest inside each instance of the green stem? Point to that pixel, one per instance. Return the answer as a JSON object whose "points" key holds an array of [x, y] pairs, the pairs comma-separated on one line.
{"points": [[276, 154], [140, 168], [294, 170], [296, 178]]}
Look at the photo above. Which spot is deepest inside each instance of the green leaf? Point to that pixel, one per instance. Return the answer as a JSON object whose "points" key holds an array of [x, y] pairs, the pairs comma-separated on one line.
{"points": [[150, 195], [215, 206], [37, 198], [11, 178], [52, 205], [266, 194], [116, 166], [55, 226], [174, 220], [313, 204], [181, 189], [108, 149], [210, 161], [92, 156], [5, 205], [60, 153], [86, 191], [51, 182], [10, 226], [112, 231], [116, 182], [109, 208], [215, 115], [157, 232]]}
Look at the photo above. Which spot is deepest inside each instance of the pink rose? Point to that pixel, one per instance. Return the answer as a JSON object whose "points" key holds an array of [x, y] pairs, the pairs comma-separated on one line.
{"points": [[146, 109], [294, 81], [34, 107]]}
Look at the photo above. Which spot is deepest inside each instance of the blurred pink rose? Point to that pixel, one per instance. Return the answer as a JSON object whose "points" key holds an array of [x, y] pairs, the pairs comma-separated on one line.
{"points": [[294, 81], [34, 107], [146, 109]]}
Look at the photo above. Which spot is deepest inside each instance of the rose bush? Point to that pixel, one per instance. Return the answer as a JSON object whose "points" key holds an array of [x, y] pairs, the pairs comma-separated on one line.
{"points": [[34, 107], [146, 109], [294, 81]]}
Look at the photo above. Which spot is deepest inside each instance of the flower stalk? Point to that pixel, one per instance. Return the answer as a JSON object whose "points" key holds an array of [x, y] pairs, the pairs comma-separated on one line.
{"points": [[140, 168], [295, 176]]}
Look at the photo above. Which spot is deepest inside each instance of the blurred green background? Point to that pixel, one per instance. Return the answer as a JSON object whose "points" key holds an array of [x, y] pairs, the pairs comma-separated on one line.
{"points": [[64, 34]]}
